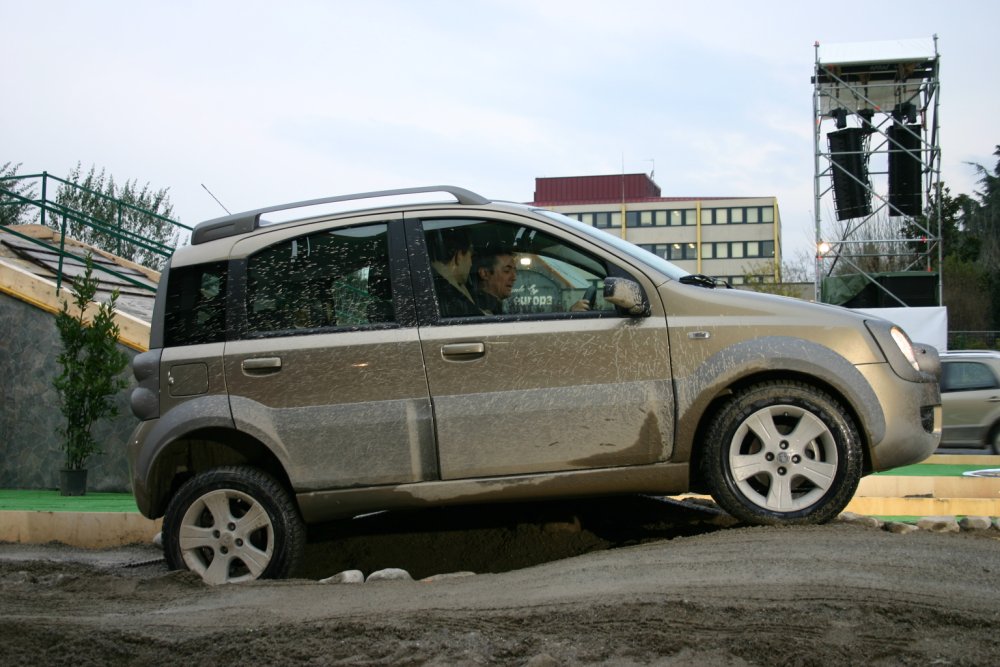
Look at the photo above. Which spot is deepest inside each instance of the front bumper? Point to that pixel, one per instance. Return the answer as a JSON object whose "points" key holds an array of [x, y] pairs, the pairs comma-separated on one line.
{"points": [[912, 418]]}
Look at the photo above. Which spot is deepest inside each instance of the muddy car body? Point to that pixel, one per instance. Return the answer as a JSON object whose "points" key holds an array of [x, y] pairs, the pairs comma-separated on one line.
{"points": [[302, 371]]}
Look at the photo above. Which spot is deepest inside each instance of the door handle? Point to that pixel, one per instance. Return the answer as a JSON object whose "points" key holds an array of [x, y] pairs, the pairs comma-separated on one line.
{"points": [[993, 399], [261, 365], [463, 351]]}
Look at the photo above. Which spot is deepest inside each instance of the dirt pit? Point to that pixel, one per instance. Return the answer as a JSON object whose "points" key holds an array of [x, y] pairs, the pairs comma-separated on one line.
{"points": [[628, 582], [499, 538]]}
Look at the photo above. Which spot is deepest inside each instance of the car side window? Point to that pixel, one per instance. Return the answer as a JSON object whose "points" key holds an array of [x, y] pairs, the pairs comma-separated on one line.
{"points": [[484, 267], [967, 376], [195, 310], [335, 278]]}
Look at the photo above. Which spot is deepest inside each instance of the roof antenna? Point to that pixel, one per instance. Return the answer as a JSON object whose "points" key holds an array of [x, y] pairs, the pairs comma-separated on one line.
{"points": [[216, 199]]}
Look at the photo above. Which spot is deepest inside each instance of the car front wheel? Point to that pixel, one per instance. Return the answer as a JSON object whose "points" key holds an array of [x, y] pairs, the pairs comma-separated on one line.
{"points": [[782, 453], [233, 524]]}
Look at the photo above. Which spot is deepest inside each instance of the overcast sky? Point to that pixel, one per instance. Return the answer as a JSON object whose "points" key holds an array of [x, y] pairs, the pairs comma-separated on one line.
{"points": [[268, 102]]}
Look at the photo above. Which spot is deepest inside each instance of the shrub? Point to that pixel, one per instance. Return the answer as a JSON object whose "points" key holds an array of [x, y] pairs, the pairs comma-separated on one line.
{"points": [[91, 366]]}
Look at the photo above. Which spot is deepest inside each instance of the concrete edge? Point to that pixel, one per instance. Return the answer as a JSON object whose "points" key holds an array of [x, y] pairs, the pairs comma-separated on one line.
{"points": [[92, 530]]}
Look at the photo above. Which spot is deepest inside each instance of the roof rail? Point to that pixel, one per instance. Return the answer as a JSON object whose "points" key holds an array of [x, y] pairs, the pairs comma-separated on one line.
{"points": [[241, 223]]}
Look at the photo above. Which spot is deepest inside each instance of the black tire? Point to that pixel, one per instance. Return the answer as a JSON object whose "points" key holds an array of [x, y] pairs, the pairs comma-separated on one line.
{"points": [[782, 453], [233, 524]]}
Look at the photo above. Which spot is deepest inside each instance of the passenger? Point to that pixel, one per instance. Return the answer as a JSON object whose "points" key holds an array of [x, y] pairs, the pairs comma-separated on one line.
{"points": [[495, 270], [451, 258]]}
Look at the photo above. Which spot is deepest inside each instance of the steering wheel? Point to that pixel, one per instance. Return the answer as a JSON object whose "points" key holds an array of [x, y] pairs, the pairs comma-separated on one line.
{"points": [[590, 296]]}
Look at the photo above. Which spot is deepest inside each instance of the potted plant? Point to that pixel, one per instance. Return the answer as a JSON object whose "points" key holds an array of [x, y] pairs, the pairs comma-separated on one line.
{"points": [[90, 375]]}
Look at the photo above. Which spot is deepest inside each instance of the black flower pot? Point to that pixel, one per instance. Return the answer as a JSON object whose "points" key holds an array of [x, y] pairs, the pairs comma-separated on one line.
{"points": [[73, 482]]}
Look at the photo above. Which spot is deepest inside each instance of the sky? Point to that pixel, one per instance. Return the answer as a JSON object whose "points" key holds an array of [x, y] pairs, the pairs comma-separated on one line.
{"points": [[264, 103]]}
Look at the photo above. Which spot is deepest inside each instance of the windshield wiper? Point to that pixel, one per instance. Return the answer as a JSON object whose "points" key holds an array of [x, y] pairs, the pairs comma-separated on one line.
{"points": [[701, 280]]}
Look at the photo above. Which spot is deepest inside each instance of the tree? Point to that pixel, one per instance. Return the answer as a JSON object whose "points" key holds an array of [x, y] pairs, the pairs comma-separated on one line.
{"points": [[90, 368], [984, 223], [882, 249], [105, 212], [759, 277], [966, 294], [14, 211], [956, 240]]}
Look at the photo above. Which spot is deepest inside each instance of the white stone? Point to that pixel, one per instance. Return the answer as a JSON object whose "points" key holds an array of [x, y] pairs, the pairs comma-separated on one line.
{"points": [[860, 520], [899, 528], [389, 574], [939, 524], [976, 523], [345, 577]]}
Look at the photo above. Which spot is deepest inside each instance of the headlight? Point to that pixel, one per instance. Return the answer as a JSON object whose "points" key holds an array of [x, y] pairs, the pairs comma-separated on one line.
{"points": [[898, 350], [905, 346]]}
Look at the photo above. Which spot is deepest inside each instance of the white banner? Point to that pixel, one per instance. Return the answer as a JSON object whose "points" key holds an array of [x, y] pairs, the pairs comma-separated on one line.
{"points": [[922, 325]]}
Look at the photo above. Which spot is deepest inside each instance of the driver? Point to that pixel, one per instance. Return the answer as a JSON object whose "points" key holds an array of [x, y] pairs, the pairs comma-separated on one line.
{"points": [[494, 271]]}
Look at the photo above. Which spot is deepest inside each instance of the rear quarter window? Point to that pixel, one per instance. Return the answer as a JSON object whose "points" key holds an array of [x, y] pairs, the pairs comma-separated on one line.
{"points": [[196, 305]]}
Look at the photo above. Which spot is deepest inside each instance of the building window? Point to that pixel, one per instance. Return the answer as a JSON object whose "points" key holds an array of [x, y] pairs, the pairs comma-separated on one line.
{"points": [[753, 249], [736, 250], [767, 214], [616, 219], [767, 248], [706, 250], [587, 219], [722, 251], [753, 214], [661, 218], [736, 215], [645, 218]]}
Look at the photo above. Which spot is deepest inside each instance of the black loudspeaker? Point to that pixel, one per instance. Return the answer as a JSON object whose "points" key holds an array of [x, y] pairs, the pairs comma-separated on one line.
{"points": [[904, 170], [851, 188]]}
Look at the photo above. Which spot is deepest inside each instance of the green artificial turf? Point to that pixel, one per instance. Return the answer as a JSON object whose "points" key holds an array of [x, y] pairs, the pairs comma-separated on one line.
{"points": [[51, 501], [935, 470]]}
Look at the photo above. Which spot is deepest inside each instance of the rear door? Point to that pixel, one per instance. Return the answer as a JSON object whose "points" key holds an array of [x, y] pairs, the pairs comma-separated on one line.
{"points": [[327, 366], [543, 385]]}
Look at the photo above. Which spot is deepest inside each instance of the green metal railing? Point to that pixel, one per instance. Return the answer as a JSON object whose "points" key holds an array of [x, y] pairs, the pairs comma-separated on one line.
{"points": [[48, 208]]}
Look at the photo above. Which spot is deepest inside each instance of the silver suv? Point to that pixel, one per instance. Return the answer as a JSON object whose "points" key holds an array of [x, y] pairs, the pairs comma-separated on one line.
{"points": [[970, 394], [474, 351]]}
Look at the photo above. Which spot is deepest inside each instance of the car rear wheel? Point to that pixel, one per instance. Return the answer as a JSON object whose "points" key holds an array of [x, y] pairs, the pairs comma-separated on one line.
{"points": [[233, 524], [782, 453]]}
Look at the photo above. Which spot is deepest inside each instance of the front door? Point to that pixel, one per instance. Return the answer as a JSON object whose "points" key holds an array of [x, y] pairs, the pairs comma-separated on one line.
{"points": [[550, 378]]}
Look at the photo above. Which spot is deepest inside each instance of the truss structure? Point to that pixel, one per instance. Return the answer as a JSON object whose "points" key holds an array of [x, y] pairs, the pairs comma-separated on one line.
{"points": [[877, 161]]}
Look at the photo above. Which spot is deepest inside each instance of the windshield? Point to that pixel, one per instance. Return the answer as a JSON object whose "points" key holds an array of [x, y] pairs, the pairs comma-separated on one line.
{"points": [[630, 249]]}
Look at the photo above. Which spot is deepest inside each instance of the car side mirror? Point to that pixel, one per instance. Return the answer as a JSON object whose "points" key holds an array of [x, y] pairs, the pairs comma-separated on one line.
{"points": [[627, 296]]}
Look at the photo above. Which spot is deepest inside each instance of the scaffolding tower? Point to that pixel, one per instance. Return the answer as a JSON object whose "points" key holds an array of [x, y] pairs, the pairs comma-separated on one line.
{"points": [[877, 173]]}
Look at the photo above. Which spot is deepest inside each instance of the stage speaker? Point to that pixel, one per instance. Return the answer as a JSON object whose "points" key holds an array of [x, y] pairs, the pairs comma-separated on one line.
{"points": [[851, 187], [905, 169]]}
